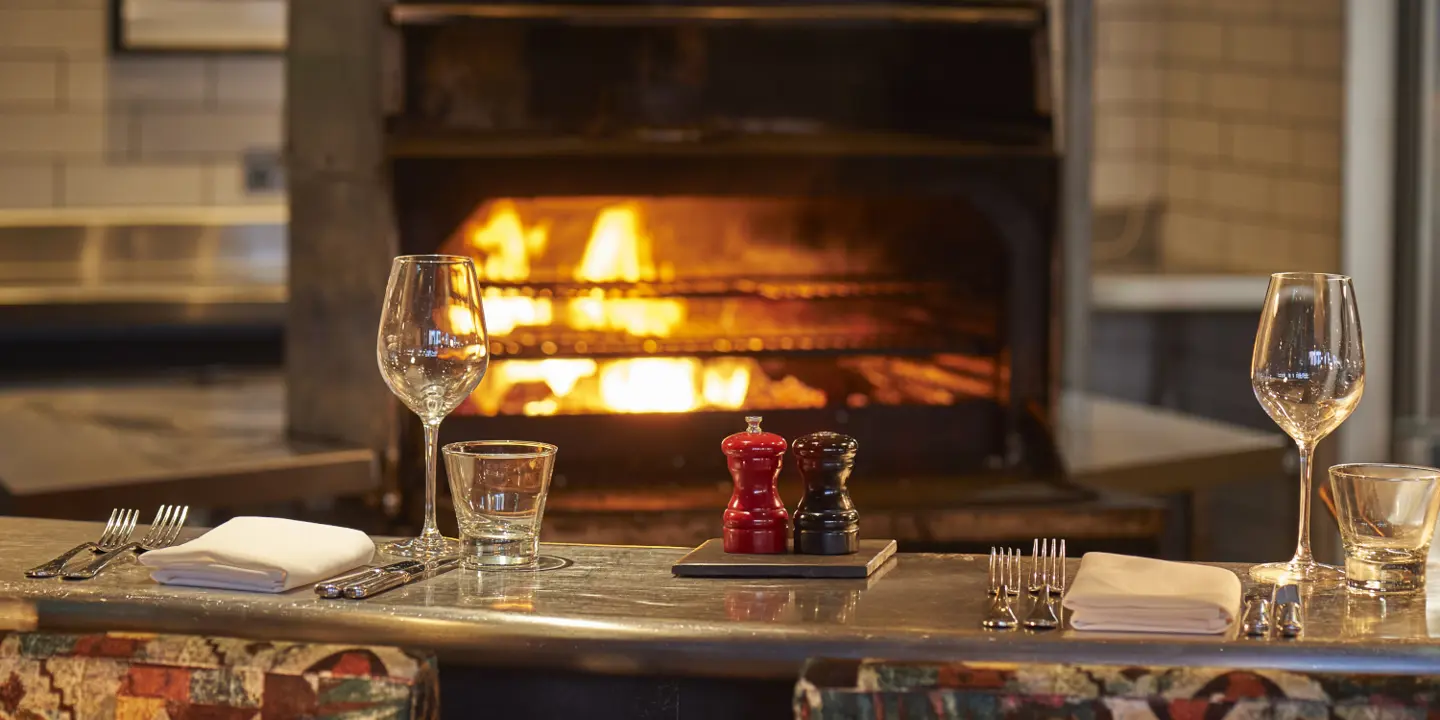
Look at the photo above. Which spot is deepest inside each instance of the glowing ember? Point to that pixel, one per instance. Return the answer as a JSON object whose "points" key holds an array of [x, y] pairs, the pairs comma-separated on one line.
{"points": [[504, 313], [641, 317], [649, 385], [726, 384]]}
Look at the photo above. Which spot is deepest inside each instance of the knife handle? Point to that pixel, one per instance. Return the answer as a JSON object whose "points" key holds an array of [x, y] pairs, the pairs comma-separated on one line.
{"points": [[1257, 618], [335, 587], [1290, 622], [372, 586]]}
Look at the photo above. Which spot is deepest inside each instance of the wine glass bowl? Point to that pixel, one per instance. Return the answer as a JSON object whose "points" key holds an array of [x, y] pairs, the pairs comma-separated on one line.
{"points": [[1308, 372], [432, 352]]}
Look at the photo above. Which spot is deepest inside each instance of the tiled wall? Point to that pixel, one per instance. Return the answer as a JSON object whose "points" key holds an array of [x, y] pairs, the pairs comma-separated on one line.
{"points": [[1229, 113], [80, 128]]}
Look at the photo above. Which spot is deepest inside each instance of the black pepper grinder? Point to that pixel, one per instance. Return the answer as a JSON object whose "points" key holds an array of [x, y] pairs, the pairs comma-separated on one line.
{"points": [[826, 523]]}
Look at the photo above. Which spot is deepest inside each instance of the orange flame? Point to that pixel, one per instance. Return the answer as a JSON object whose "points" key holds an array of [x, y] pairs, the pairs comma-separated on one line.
{"points": [[619, 249], [507, 244]]}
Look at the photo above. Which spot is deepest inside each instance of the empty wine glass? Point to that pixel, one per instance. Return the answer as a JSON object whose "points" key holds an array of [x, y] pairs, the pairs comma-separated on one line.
{"points": [[1308, 372], [432, 353]]}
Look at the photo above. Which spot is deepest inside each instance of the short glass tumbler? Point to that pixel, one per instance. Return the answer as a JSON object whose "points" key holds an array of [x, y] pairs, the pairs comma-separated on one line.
{"points": [[1387, 518], [499, 489]]}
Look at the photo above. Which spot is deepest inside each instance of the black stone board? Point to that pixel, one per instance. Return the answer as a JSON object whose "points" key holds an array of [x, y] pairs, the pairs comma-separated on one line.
{"points": [[711, 560]]}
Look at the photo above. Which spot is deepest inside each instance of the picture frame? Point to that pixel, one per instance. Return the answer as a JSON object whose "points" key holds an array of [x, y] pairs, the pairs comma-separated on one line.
{"points": [[198, 26]]}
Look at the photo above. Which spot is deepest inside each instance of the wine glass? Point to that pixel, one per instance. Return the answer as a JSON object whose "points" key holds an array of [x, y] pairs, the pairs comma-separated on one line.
{"points": [[1308, 372], [432, 353]]}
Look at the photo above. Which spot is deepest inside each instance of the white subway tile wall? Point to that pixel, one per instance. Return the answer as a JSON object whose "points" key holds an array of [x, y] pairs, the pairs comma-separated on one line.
{"points": [[1244, 98], [80, 127]]}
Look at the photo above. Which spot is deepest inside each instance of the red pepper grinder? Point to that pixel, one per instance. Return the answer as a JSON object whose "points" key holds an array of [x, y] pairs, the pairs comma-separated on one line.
{"points": [[756, 521]]}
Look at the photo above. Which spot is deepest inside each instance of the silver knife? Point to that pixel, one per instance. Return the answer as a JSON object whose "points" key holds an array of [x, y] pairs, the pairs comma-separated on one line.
{"points": [[1290, 616], [335, 587], [391, 579]]}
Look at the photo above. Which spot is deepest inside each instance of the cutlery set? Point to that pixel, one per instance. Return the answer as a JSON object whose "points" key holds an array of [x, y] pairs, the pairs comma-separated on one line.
{"points": [[1046, 587], [115, 543], [1276, 608], [370, 582]]}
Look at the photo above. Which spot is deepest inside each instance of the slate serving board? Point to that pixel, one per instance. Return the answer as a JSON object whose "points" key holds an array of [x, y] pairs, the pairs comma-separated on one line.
{"points": [[711, 560]]}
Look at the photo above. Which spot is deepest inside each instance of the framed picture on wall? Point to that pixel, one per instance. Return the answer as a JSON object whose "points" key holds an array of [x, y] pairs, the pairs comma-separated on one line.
{"points": [[203, 26]]}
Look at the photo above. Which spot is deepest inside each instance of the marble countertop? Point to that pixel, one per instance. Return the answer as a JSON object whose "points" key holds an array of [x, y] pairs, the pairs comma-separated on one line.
{"points": [[619, 610]]}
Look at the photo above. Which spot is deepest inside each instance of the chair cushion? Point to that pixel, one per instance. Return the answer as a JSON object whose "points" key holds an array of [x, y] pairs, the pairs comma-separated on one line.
{"points": [[142, 676], [857, 690]]}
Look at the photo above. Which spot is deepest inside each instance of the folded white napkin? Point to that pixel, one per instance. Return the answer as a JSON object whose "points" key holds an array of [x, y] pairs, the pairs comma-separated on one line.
{"points": [[1134, 594], [261, 554]]}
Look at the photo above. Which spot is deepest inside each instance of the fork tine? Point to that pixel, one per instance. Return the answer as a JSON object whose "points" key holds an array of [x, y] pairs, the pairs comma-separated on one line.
{"points": [[1062, 566], [1015, 567], [164, 528], [130, 526], [990, 581], [111, 526], [1003, 571], [161, 516], [1054, 555], [177, 525], [132, 516], [115, 534], [1034, 562]]}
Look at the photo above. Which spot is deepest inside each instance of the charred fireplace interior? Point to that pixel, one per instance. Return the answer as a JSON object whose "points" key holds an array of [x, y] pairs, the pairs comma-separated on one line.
{"points": [[839, 216]]}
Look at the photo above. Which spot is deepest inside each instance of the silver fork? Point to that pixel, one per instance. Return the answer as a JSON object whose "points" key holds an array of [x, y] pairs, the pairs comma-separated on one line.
{"points": [[164, 529], [1047, 583], [1004, 575], [116, 533]]}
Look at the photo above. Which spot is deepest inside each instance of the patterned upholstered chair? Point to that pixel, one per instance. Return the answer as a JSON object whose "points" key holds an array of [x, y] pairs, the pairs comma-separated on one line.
{"points": [[856, 690], [134, 676]]}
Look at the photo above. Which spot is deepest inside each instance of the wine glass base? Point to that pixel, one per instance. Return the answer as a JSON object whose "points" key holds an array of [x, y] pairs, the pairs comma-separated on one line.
{"points": [[421, 547], [1295, 572]]}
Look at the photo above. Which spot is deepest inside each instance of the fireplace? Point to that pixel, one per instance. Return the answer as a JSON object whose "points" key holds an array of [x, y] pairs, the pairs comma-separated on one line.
{"points": [[837, 216]]}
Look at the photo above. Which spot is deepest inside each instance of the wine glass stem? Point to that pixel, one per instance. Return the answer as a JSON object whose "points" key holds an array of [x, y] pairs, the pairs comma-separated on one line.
{"points": [[432, 441], [1302, 546]]}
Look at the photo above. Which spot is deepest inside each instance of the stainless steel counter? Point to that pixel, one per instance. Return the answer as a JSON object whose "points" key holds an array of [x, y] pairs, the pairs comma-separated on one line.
{"points": [[1170, 292], [77, 450], [205, 268], [618, 610]]}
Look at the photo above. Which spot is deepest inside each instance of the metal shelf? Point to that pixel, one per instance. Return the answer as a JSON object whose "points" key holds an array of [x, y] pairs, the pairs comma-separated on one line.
{"points": [[772, 288], [417, 143], [565, 344], [1009, 12]]}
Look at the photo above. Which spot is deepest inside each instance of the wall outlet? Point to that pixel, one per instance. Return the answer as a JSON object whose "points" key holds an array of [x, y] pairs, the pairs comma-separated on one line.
{"points": [[264, 172]]}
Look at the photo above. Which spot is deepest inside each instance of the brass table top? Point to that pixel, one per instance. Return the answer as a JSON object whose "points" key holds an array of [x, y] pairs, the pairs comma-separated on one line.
{"points": [[619, 610]]}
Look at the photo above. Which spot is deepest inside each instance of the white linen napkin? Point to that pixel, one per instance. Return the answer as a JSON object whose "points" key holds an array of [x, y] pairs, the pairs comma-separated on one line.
{"points": [[261, 554], [1133, 594]]}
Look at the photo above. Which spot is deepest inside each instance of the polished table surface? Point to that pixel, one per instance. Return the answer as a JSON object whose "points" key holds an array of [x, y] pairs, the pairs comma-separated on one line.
{"points": [[619, 610]]}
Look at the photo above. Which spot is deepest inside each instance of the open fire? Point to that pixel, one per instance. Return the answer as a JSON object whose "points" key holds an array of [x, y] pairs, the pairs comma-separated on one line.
{"points": [[585, 318]]}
